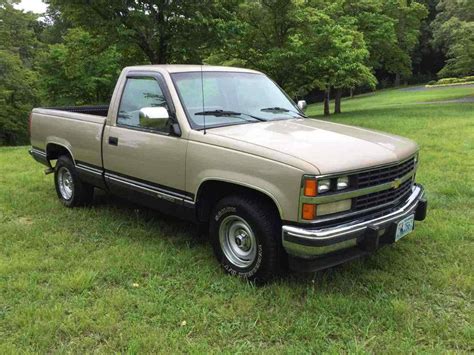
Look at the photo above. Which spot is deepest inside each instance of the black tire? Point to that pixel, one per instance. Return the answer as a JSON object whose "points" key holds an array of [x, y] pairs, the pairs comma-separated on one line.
{"points": [[265, 224], [80, 193]]}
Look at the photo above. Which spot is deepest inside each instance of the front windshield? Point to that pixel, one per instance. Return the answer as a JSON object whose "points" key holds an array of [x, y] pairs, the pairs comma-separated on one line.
{"points": [[231, 98]]}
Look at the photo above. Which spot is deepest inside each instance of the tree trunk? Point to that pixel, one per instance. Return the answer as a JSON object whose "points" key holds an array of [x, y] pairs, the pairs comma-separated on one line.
{"points": [[326, 101], [337, 101], [397, 79], [352, 93]]}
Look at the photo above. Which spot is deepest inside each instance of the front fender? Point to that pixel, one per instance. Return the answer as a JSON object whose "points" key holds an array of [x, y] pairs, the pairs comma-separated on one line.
{"points": [[278, 181]]}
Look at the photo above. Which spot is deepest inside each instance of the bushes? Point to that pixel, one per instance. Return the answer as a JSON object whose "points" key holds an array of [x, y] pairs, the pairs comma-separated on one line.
{"points": [[452, 81]]}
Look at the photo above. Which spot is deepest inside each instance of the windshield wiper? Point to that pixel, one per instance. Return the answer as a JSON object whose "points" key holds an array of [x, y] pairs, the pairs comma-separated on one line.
{"points": [[218, 113], [223, 113], [281, 109]]}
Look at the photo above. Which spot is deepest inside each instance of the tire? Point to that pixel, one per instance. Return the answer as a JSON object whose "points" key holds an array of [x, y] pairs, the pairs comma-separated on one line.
{"points": [[245, 235], [71, 191]]}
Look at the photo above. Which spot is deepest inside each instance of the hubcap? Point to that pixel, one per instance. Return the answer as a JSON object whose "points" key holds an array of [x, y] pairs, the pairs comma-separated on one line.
{"points": [[65, 183], [238, 241]]}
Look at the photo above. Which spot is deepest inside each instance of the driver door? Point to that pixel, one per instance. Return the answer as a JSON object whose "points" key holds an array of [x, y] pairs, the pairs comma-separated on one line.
{"points": [[144, 159]]}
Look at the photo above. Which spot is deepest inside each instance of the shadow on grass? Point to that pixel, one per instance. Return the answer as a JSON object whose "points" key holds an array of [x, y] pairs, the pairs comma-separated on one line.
{"points": [[149, 217], [194, 235]]}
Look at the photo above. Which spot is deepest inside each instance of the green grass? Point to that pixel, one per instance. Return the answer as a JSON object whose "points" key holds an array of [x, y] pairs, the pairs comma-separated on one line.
{"points": [[67, 276]]}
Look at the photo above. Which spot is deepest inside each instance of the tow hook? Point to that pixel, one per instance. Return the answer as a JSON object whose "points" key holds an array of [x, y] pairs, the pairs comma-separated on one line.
{"points": [[48, 171]]}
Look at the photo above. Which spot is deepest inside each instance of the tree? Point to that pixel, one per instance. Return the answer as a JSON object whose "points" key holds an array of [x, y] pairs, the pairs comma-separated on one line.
{"points": [[18, 82], [303, 47], [453, 32], [407, 16], [81, 70], [427, 59], [258, 37], [165, 31]]}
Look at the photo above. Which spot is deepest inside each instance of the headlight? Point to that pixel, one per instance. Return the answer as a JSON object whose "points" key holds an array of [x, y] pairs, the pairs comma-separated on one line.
{"points": [[334, 207], [342, 183], [324, 186], [313, 187]]}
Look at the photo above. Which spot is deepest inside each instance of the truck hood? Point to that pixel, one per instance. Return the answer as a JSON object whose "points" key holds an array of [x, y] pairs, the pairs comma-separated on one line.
{"points": [[329, 147]]}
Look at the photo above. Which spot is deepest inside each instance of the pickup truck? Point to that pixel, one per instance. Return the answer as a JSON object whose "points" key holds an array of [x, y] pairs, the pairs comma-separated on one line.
{"points": [[228, 149]]}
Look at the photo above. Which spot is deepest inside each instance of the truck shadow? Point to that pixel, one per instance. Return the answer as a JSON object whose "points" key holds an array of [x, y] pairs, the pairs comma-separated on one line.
{"points": [[175, 230], [144, 216]]}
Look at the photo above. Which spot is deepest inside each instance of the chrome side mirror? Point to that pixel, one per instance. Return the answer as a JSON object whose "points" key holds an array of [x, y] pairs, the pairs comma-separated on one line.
{"points": [[302, 105], [154, 113], [153, 117]]}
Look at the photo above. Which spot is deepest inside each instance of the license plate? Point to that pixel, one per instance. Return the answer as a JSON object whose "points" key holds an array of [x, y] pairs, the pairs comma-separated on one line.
{"points": [[404, 227]]}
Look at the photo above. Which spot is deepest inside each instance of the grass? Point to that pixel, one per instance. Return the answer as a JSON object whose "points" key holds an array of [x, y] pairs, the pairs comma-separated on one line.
{"points": [[117, 278]]}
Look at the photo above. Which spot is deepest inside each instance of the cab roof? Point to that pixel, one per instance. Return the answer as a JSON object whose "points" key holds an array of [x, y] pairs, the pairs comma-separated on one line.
{"points": [[181, 68]]}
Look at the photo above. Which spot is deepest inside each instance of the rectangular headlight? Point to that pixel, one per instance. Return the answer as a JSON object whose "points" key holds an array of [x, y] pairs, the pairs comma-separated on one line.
{"points": [[334, 207], [324, 185], [342, 183]]}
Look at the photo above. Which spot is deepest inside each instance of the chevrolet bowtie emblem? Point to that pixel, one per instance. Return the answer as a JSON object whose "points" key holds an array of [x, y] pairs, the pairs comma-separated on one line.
{"points": [[396, 184]]}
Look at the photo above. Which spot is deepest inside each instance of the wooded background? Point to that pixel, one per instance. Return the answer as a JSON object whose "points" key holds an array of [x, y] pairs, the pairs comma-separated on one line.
{"points": [[314, 49]]}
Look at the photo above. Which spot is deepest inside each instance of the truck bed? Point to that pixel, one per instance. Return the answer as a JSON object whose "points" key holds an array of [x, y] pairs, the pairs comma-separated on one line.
{"points": [[79, 129], [97, 110]]}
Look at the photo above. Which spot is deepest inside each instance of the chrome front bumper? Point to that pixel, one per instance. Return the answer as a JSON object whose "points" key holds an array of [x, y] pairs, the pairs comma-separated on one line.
{"points": [[361, 234]]}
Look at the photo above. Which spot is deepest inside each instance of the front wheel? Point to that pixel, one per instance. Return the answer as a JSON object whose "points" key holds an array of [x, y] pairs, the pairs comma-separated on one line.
{"points": [[245, 237], [70, 189]]}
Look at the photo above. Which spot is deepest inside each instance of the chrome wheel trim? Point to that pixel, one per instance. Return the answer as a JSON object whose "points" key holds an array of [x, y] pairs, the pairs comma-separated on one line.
{"points": [[65, 183], [238, 241]]}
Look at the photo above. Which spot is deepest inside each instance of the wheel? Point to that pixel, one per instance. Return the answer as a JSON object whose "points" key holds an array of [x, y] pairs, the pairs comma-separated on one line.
{"points": [[245, 235], [71, 190]]}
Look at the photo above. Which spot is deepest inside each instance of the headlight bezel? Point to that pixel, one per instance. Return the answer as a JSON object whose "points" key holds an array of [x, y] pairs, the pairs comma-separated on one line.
{"points": [[313, 186]]}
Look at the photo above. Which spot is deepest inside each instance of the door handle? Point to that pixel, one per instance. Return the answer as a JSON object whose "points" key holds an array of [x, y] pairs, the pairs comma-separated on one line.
{"points": [[113, 140]]}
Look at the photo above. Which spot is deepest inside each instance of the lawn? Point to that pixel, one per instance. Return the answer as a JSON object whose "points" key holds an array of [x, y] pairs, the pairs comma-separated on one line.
{"points": [[118, 278]]}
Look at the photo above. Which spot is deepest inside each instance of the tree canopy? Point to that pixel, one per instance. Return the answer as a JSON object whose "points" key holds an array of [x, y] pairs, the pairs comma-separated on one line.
{"points": [[453, 31], [18, 81], [312, 48]]}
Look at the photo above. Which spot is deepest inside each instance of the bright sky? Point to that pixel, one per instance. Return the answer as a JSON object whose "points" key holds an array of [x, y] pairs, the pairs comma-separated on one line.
{"points": [[36, 6]]}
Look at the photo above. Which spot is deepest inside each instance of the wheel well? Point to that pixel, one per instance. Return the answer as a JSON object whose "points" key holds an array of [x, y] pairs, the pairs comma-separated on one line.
{"points": [[54, 151], [212, 191]]}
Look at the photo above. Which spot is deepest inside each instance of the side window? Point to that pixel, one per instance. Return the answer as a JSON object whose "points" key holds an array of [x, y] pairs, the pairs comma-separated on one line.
{"points": [[139, 93]]}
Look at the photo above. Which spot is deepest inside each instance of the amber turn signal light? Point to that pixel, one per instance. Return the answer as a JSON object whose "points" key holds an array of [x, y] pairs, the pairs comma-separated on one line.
{"points": [[309, 211], [310, 187]]}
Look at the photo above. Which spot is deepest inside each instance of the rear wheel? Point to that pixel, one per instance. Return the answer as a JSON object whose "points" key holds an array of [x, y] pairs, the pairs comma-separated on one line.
{"points": [[245, 237], [70, 189]]}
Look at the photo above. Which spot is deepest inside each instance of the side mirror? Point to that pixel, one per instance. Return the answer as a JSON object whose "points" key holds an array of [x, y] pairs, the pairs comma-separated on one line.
{"points": [[302, 105], [153, 117]]}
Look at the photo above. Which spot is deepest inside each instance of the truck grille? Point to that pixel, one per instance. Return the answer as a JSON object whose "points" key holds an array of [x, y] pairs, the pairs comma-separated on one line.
{"points": [[383, 175], [382, 197]]}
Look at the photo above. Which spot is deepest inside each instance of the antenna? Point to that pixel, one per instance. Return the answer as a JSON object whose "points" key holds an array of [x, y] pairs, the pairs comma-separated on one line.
{"points": [[202, 92]]}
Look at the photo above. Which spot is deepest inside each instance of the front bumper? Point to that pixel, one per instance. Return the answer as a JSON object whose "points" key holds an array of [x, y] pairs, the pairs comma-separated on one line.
{"points": [[313, 249]]}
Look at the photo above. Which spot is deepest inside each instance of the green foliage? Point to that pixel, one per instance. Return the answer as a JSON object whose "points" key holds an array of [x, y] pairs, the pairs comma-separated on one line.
{"points": [[18, 82], [81, 70], [74, 55], [407, 16], [302, 47], [180, 31], [453, 30], [452, 81]]}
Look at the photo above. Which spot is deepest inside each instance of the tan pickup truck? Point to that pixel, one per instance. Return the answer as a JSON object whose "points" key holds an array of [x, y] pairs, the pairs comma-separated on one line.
{"points": [[228, 149]]}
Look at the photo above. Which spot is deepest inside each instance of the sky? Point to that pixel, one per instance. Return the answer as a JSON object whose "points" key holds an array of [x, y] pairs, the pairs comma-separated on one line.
{"points": [[36, 6]]}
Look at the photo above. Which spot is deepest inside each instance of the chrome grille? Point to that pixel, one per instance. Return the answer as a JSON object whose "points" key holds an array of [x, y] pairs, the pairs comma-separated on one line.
{"points": [[383, 175], [382, 197]]}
